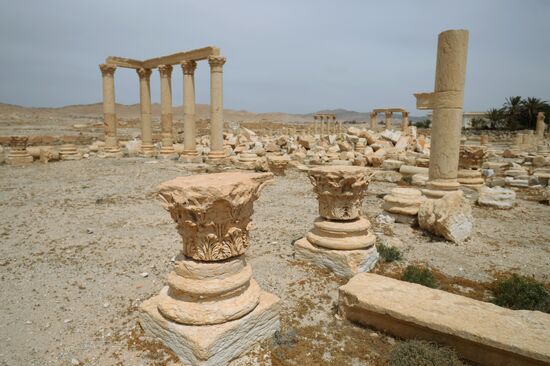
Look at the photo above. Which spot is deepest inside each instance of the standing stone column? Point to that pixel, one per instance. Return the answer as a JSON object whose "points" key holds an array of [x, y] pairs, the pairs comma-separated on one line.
{"points": [[540, 126], [109, 113], [315, 126], [212, 309], [373, 122], [447, 102], [333, 124], [405, 123], [216, 107], [147, 148], [389, 122], [341, 239], [167, 148], [189, 124], [322, 123]]}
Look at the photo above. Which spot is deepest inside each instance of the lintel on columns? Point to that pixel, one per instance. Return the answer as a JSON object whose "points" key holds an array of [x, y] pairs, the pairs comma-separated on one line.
{"points": [[176, 58], [124, 62], [393, 110]]}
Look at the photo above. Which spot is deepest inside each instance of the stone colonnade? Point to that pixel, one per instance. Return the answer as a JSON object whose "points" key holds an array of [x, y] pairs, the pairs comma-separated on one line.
{"points": [[188, 61], [447, 102], [325, 124], [388, 114]]}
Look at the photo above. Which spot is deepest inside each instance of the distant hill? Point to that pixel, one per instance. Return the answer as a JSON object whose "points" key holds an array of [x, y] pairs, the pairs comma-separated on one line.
{"points": [[202, 111]]}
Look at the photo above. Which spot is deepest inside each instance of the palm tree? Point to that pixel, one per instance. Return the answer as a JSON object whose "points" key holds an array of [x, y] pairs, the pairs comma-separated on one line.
{"points": [[532, 106], [512, 110], [495, 116]]}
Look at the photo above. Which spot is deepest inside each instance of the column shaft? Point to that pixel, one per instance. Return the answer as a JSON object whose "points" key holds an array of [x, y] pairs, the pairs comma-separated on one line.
{"points": [[373, 122], [145, 105], [109, 113], [389, 122], [405, 123], [189, 124], [166, 109], [216, 106]]}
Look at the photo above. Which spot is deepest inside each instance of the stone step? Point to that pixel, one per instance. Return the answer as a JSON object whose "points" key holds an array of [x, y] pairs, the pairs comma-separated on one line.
{"points": [[479, 331]]}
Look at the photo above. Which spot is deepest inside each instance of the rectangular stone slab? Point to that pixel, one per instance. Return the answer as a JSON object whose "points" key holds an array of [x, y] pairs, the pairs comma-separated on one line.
{"points": [[479, 331], [212, 345]]}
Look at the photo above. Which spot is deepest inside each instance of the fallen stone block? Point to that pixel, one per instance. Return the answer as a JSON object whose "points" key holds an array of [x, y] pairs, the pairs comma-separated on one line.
{"points": [[479, 331], [449, 217], [496, 197]]}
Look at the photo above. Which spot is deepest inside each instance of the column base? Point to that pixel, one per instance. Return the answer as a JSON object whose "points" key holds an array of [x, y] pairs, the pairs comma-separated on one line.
{"points": [[69, 152], [19, 159], [341, 235], [192, 159], [209, 345], [148, 150], [344, 263], [438, 188], [216, 154], [190, 153]]}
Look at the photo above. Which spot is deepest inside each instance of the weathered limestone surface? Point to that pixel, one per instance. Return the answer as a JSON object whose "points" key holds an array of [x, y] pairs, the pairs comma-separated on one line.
{"points": [[109, 113], [403, 204], [212, 309], [213, 345], [216, 107], [446, 102], [277, 164], [167, 149], [479, 331], [189, 127], [449, 217], [345, 263], [497, 197], [147, 148], [18, 155], [340, 239]]}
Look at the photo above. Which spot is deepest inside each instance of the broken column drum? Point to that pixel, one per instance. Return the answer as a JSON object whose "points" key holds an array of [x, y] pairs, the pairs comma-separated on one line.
{"points": [[211, 296], [340, 239], [447, 102], [18, 155]]}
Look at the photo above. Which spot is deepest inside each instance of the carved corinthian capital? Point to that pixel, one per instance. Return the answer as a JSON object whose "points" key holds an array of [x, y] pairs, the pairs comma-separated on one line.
{"points": [[107, 69], [189, 67], [216, 61], [165, 71], [340, 190], [144, 73], [212, 212]]}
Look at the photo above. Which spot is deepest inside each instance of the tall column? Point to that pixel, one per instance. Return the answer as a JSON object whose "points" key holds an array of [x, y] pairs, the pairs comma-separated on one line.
{"points": [[389, 123], [166, 109], [147, 147], [405, 123], [540, 125], [322, 123], [216, 106], [109, 113], [373, 122], [447, 102], [315, 127], [334, 124], [189, 126]]}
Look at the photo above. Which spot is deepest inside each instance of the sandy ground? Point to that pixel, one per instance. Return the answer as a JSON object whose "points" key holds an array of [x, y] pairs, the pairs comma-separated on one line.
{"points": [[83, 243]]}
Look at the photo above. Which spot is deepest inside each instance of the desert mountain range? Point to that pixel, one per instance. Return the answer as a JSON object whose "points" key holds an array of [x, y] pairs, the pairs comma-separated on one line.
{"points": [[202, 112]]}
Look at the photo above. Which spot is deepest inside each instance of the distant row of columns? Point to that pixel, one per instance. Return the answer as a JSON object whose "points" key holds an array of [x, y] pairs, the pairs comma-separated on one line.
{"points": [[388, 119], [325, 124], [189, 128]]}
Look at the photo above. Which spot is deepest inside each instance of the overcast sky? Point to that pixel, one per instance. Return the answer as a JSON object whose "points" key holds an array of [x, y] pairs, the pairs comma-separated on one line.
{"points": [[290, 56]]}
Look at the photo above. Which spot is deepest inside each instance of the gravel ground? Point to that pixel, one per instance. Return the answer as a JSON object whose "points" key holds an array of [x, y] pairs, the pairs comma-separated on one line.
{"points": [[83, 243]]}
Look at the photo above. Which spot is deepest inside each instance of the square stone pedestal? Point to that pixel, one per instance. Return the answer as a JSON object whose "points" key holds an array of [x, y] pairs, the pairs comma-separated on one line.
{"points": [[218, 344], [345, 263]]}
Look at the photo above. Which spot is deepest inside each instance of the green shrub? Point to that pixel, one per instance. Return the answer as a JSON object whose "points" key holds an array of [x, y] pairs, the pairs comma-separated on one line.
{"points": [[388, 253], [521, 293], [423, 353], [420, 275]]}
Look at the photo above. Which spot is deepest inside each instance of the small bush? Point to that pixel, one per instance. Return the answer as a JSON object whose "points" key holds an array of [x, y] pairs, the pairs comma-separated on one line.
{"points": [[388, 253], [521, 293], [420, 275], [423, 353]]}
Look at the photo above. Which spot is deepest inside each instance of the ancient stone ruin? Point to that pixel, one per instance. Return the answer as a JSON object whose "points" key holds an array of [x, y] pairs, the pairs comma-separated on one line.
{"points": [[212, 309]]}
